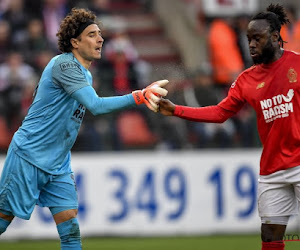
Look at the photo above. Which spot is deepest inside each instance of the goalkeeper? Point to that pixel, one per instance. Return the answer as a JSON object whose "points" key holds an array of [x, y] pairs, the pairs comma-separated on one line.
{"points": [[37, 168]]}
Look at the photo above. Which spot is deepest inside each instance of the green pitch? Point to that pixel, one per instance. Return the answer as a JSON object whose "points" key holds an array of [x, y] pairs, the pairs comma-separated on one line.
{"points": [[244, 242]]}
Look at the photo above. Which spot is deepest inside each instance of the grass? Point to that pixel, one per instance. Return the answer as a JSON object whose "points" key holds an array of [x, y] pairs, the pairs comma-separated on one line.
{"points": [[224, 242]]}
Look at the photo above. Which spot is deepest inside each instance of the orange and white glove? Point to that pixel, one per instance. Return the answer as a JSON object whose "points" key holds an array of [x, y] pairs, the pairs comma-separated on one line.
{"points": [[151, 94]]}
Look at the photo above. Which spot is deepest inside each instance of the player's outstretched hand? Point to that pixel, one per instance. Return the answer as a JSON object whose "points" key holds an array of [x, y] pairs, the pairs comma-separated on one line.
{"points": [[151, 95], [166, 107]]}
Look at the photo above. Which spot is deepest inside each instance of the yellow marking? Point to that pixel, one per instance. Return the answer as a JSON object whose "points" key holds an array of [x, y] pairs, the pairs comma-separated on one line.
{"points": [[260, 85]]}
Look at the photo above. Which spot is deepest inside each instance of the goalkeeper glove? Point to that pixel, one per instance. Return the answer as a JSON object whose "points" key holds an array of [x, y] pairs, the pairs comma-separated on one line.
{"points": [[151, 94]]}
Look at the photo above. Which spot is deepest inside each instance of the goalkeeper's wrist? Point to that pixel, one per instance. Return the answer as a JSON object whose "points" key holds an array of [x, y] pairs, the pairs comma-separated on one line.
{"points": [[138, 97]]}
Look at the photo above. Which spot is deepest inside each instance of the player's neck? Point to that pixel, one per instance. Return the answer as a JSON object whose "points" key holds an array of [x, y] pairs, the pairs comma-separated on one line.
{"points": [[85, 63], [278, 54]]}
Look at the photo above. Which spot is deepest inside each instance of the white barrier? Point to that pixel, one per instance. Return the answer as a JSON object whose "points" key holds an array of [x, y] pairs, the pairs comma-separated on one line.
{"points": [[158, 193]]}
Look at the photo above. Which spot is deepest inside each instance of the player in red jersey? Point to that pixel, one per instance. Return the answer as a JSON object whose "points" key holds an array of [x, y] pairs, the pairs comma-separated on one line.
{"points": [[272, 87]]}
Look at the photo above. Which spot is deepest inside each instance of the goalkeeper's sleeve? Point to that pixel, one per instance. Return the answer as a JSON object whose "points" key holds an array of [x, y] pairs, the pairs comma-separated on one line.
{"points": [[88, 97]]}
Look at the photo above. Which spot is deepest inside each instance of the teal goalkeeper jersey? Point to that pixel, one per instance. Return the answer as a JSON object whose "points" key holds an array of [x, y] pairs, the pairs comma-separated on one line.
{"points": [[50, 128]]}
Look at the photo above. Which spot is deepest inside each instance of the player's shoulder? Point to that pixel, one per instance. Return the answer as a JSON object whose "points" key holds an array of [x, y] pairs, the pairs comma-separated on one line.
{"points": [[293, 54], [65, 61], [247, 72], [241, 80]]}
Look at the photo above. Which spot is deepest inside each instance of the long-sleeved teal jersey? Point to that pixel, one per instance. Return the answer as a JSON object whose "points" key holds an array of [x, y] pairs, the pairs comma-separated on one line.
{"points": [[51, 126]]}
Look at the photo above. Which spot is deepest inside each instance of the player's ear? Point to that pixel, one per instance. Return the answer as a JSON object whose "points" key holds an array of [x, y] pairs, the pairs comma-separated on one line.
{"points": [[275, 36], [74, 43]]}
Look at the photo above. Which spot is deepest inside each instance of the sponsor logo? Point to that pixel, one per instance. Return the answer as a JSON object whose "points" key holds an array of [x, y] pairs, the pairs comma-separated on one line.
{"points": [[68, 65], [260, 85], [278, 106], [137, 97], [79, 114]]}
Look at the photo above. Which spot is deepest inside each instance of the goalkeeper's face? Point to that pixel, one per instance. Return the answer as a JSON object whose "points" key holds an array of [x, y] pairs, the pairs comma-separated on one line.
{"points": [[89, 43], [262, 43]]}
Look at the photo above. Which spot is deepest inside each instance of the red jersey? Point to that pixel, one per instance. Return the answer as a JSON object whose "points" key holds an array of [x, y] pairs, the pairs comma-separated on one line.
{"points": [[273, 90]]}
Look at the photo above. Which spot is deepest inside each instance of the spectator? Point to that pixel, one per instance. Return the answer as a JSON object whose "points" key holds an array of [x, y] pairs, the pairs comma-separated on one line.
{"points": [[35, 41], [124, 75], [201, 92], [3, 7], [177, 135], [14, 75], [41, 60], [290, 32], [6, 43], [121, 42], [222, 41], [33, 8], [100, 7], [120, 55], [119, 71], [241, 23], [53, 12], [17, 19]]}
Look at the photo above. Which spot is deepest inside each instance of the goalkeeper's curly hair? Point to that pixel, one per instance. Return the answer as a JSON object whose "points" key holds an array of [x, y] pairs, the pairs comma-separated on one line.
{"points": [[69, 26]]}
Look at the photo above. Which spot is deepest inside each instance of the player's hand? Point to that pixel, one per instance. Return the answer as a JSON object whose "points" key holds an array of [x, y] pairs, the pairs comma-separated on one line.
{"points": [[166, 107], [151, 95]]}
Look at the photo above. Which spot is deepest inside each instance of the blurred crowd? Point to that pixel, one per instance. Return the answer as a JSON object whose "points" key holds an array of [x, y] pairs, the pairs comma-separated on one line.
{"points": [[28, 41]]}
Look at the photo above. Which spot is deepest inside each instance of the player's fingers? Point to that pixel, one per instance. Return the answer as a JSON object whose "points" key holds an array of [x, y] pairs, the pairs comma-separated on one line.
{"points": [[160, 91], [149, 106], [162, 83], [153, 105], [154, 98]]}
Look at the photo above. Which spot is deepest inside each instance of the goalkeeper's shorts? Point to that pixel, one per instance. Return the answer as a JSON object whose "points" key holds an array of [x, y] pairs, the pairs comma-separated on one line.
{"points": [[22, 186]]}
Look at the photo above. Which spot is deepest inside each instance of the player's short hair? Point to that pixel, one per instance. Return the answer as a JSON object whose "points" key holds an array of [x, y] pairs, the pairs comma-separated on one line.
{"points": [[71, 26], [276, 16]]}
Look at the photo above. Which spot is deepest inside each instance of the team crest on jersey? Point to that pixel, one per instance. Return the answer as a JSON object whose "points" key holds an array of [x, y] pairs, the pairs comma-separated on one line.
{"points": [[68, 65], [260, 85], [292, 75]]}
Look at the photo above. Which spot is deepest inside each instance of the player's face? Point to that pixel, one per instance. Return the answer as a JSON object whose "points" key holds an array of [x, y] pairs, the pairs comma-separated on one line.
{"points": [[90, 43], [262, 49]]}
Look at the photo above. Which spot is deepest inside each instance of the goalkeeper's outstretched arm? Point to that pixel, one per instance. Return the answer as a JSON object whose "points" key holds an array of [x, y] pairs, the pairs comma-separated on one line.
{"points": [[150, 96]]}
